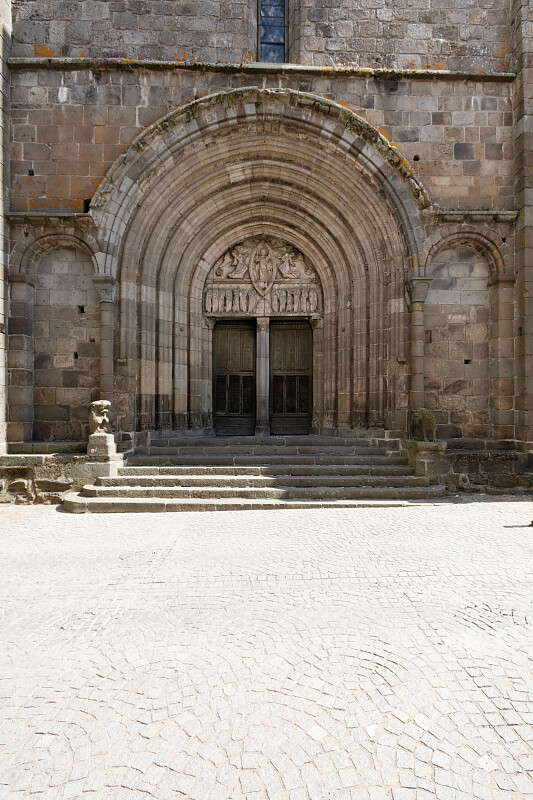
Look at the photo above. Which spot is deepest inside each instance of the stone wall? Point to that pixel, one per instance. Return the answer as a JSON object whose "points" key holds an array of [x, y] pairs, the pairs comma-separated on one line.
{"points": [[437, 34], [69, 126], [66, 345], [523, 144], [5, 44], [170, 30]]}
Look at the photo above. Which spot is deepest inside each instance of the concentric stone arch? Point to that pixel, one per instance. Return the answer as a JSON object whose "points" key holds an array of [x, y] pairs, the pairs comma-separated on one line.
{"points": [[259, 162], [117, 196]]}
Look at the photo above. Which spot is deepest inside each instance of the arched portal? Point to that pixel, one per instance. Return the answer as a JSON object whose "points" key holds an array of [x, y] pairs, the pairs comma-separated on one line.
{"points": [[260, 205]]}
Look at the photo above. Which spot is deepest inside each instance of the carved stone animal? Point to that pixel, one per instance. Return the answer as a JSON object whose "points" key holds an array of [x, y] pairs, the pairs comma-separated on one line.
{"points": [[423, 425], [99, 416]]}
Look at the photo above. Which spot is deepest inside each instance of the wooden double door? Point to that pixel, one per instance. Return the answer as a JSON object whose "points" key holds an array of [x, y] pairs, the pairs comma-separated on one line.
{"points": [[235, 378]]}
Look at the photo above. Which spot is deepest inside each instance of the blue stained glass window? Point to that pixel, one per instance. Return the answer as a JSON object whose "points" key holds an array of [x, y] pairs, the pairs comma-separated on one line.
{"points": [[272, 37]]}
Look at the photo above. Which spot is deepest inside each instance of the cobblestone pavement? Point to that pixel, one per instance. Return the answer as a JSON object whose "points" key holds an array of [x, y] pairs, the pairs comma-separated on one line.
{"points": [[364, 654]]}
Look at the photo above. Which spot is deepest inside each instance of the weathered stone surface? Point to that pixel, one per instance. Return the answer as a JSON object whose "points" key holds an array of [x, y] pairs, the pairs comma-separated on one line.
{"points": [[415, 175]]}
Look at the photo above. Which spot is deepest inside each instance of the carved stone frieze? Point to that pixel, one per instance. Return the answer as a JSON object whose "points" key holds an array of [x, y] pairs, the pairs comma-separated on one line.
{"points": [[262, 276]]}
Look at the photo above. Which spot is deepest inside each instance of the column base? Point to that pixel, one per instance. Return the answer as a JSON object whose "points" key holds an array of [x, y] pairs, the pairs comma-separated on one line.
{"points": [[262, 429]]}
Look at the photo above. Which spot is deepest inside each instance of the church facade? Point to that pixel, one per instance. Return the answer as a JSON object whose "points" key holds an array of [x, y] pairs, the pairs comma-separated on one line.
{"points": [[267, 218]]}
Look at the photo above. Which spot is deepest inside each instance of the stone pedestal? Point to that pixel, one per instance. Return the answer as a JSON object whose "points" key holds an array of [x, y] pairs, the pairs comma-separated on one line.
{"points": [[427, 458], [102, 447]]}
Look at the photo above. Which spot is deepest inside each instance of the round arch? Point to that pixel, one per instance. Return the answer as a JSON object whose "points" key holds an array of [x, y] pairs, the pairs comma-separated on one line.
{"points": [[259, 162], [488, 244], [26, 255]]}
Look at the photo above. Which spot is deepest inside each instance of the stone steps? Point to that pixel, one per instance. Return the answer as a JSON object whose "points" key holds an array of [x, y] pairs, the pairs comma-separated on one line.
{"points": [[80, 504], [274, 493], [243, 459], [259, 481], [257, 450], [77, 504], [220, 442], [298, 472], [387, 468]]}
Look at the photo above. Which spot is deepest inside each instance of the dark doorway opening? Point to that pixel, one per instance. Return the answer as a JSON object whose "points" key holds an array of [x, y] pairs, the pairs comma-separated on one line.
{"points": [[234, 378], [291, 378]]}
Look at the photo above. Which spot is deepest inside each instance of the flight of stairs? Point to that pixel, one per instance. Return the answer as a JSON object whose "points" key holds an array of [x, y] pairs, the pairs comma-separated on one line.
{"points": [[244, 473]]}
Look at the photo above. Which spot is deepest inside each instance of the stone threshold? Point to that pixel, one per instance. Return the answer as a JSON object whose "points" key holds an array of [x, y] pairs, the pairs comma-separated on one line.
{"points": [[58, 62]]}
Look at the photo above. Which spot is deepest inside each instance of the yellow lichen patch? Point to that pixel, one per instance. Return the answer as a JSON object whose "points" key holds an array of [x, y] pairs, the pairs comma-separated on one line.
{"points": [[434, 64], [82, 53], [384, 134], [348, 106], [43, 51], [502, 52]]}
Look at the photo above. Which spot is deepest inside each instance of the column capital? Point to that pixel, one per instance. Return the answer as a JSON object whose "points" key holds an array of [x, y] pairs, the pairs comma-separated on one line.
{"points": [[105, 285], [502, 279], [418, 289]]}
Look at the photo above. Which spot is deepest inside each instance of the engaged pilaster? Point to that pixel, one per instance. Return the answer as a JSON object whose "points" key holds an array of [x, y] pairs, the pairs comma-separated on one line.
{"points": [[20, 359], [418, 289], [105, 285]]}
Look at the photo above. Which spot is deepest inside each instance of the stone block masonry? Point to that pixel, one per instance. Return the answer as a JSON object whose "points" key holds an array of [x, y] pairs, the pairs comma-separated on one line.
{"points": [[170, 30], [392, 152], [5, 47], [69, 126], [439, 34]]}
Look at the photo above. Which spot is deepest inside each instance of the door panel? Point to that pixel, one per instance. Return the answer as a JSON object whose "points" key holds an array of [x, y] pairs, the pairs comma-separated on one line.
{"points": [[234, 378], [291, 353]]}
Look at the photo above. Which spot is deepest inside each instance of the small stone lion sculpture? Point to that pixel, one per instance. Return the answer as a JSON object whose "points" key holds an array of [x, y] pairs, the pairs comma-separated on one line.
{"points": [[99, 416], [423, 425]]}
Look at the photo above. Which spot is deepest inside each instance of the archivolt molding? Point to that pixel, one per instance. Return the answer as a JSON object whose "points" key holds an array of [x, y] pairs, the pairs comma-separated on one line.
{"points": [[157, 151], [488, 244], [26, 255]]}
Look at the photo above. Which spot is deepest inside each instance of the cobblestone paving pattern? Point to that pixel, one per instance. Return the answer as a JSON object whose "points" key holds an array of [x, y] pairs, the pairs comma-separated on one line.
{"points": [[364, 654]]}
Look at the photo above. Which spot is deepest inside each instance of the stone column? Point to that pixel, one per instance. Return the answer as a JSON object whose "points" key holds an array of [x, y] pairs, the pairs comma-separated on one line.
{"points": [[20, 360], [522, 15], [262, 419], [418, 289], [5, 47], [105, 286]]}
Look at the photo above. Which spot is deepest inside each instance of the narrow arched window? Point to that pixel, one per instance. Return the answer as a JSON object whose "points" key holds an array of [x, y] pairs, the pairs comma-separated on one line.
{"points": [[272, 31]]}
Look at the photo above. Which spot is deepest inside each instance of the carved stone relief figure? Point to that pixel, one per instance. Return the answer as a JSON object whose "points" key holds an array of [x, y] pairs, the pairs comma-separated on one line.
{"points": [[262, 276]]}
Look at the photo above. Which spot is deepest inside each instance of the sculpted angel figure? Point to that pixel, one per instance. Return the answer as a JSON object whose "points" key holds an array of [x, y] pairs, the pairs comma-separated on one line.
{"points": [[227, 263], [239, 262], [286, 267]]}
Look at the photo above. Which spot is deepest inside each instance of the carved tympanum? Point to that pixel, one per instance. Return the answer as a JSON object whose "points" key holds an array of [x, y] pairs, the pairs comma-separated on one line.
{"points": [[262, 276]]}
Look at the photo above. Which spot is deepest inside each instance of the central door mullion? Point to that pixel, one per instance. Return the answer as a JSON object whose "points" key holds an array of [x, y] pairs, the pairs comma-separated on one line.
{"points": [[262, 372]]}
